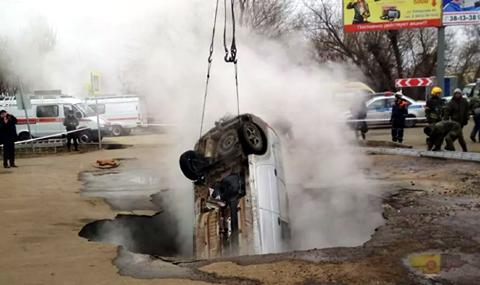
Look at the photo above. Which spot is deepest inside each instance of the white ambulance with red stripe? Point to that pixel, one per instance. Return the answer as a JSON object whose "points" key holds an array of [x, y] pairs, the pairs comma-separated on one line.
{"points": [[124, 112], [46, 114]]}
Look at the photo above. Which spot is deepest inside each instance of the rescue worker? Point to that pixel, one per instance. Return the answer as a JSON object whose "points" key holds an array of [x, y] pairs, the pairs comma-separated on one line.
{"points": [[359, 112], [443, 130], [397, 119], [71, 123], [475, 111], [435, 105], [8, 136], [458, 110]]}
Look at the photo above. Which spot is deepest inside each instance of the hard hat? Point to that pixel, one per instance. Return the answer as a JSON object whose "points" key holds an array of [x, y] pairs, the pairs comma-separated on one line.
{"points": [[436, 90], [457, 90]]}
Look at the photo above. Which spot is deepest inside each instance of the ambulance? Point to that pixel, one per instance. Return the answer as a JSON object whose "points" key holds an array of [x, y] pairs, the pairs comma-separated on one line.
{"points": [[45, 115], [125, 112]]}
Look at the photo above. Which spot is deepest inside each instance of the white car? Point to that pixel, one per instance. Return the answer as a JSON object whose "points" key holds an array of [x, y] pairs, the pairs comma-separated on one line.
{"points": [[241, 202], [380, 110]]}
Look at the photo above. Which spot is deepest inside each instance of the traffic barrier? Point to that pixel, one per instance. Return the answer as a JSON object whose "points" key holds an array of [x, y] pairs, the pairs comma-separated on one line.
{"points": [[51, 136], [455, 155], [384, 120]]}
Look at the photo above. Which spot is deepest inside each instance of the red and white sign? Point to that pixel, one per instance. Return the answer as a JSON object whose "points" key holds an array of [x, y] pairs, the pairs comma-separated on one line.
{"points": [[413, 82]]}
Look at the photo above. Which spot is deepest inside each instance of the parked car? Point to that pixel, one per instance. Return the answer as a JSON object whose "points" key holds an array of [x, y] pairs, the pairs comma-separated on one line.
{"points": [[46, 114], [241, 202], [469, 90], [380, 110], [125, 112]]}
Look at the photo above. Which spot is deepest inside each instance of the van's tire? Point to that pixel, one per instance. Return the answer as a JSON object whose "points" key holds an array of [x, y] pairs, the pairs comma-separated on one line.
{"points": [[84, 137], [117, 131], [228, 142], [193, 165], [410, 123], [23, 136], [252, 138]]}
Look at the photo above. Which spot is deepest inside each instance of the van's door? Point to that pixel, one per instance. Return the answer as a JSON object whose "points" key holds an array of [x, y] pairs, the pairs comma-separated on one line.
{"points": [[268, 209], [282, 196], [49, 120]]}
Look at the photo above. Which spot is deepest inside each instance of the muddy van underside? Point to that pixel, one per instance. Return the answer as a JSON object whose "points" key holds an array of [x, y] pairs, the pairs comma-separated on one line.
{"points": [[224, 222]]}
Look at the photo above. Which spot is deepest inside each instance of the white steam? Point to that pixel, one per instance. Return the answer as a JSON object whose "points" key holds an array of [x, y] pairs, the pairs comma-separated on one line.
{"points": [[159, 49]]}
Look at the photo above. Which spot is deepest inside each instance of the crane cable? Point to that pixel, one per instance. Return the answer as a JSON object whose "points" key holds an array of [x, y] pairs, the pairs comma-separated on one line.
{"points": [[230, 55]]}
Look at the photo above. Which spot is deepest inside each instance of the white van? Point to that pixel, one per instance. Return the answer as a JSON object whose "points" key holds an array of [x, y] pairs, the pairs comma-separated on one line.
{"points": [[46, 115], [125, 112], [241, 201]]}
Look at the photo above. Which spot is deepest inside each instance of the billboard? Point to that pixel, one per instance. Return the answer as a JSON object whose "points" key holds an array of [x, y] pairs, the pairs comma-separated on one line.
{"points": [[461, 12], [377, 15]]}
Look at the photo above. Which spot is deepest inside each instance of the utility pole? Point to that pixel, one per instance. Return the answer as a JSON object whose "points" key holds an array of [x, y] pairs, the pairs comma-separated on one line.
{"points": [[441, 58], [95, 88]]}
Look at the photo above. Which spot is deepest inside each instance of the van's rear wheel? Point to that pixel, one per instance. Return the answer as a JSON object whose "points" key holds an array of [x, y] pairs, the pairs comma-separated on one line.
{"points": [[84, 137], [117, 131], [23, 136], [252, 138]]}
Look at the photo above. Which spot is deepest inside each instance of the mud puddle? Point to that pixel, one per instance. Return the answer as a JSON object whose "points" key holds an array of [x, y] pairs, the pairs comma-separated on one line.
{"points": [[124, 189], [153, 235], [131, 188]]}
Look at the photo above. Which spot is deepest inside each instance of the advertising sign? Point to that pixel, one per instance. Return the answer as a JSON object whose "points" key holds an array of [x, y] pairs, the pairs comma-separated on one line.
{"points": [[461, 12], [376, 15]]}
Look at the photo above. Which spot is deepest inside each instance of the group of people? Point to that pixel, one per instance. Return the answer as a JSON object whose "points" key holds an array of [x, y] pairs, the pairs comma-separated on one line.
{"points": [[8, 135], [447, 120]]}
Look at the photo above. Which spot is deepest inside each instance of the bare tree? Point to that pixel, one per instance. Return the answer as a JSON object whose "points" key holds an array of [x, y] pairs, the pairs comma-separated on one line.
{"points": [[382, 56], [268, 17], [465, 57]]}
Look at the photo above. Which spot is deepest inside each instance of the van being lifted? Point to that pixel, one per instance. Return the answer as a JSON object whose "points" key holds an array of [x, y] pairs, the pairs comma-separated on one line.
{"points": [[125, 112], [47, 112], [241, 203]]}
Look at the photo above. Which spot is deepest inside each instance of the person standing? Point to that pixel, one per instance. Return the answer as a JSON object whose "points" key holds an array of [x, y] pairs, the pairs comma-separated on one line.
{"points": [[398, 117], [71, 123], [8, 136], [435, 105], [458, 110], [359, 114], [475, 111]]}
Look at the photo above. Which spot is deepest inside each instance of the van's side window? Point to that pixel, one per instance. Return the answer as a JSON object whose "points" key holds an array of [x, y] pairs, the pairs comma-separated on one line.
{"points": [[101, 108], [67, 108], [47, 111]]}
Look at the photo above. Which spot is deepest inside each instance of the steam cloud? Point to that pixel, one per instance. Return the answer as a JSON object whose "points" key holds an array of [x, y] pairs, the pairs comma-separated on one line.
{"points": [[159, 49]]}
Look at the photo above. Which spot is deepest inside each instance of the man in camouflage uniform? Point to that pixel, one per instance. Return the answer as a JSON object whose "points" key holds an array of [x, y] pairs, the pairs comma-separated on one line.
{"points": [[458, 110], [475, 111], [434, 106], [443, 130]]}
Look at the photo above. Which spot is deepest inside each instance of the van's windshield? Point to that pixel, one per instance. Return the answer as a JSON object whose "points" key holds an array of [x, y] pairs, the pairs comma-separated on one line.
{"points": [[85, 109]]}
